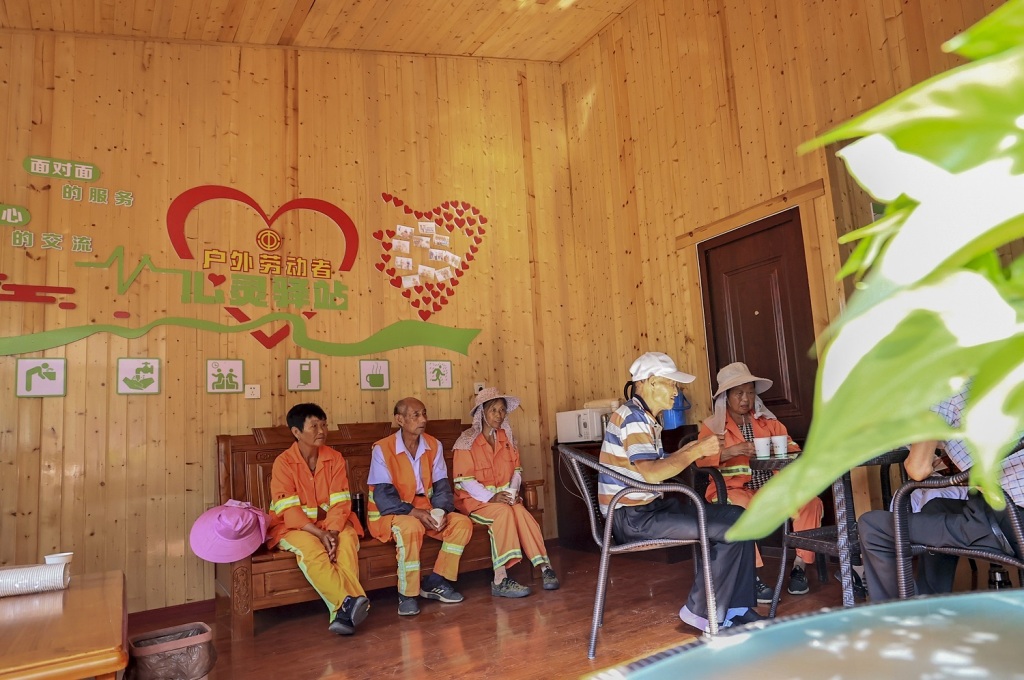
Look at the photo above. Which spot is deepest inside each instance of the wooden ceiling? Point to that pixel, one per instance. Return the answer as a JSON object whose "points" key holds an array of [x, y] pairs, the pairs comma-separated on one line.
{"points": [[540, 30]]}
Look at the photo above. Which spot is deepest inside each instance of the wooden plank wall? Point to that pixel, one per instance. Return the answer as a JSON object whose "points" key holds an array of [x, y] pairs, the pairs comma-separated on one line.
{"points": [[119, 479], [678, 115], [685, 112]]}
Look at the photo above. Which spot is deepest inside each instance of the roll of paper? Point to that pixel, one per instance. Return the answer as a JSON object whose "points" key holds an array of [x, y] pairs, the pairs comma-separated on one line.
{"points": [[35, 578]]}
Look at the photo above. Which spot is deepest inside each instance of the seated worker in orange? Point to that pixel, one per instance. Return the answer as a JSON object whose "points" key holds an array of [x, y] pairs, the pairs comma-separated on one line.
{"points": [[740, 416], [488, 475], [311, 516], [408, 487]]}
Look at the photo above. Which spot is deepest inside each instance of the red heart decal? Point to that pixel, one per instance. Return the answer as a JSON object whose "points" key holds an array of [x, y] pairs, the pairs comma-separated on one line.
{"points": [[387, 197], [481, 230], [483, 220], [186, 201], [309, 315], [430, 297], [268, 341], [397, 282], [216, 279], [380, 266]]}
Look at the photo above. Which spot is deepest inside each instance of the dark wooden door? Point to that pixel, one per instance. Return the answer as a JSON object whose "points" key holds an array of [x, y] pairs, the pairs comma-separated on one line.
{"points": [[757, 309]]}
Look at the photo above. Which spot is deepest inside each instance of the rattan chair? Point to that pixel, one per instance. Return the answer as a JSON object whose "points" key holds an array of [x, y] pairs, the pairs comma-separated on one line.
{"points": [[585, 471], [905, 550]]}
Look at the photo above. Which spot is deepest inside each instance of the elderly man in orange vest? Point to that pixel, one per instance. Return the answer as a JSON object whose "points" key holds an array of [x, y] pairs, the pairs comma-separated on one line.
{"points": [[411, 495]]}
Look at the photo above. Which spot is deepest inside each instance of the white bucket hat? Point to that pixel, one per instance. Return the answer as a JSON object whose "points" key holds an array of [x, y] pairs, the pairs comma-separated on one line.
{"points": [[658, 364]]}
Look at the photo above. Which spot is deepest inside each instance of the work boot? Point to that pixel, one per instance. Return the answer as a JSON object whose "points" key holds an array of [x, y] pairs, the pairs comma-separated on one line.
{"points": [[509, 588]]}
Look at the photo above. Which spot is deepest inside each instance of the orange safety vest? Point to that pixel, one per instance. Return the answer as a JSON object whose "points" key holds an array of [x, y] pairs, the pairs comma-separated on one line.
{"points": [[403, 478]]}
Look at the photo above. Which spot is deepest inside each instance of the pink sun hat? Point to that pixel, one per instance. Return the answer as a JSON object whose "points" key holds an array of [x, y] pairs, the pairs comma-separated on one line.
{"points": [[229, 532]]}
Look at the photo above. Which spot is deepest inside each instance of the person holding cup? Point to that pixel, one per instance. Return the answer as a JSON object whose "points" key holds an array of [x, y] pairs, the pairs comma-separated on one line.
{"points": [[407, 483], [746, 428], [488, 474]]}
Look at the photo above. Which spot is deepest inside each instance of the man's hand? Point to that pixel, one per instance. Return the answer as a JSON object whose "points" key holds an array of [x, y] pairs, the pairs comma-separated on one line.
{"points": [[425, 519]]}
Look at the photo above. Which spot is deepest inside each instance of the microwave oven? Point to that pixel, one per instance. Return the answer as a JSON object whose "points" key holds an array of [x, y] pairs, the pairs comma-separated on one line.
{"points": [[582, 425]]}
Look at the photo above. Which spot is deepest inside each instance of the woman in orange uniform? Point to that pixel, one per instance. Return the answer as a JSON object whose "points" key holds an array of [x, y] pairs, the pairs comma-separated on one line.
{"points": [[739, 417], [488, 475]]}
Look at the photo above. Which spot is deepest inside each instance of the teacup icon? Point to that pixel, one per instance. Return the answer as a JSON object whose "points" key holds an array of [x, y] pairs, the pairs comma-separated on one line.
{"points": [[375, 379]]}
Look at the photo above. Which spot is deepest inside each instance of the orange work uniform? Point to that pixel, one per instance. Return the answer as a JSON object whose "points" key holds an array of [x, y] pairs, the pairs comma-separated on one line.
{"points": [[736, 472], [512, 528], [406, 530], [299, 497]]}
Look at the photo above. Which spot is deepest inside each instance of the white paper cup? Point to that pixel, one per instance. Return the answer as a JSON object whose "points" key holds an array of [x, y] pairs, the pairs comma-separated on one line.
{"points": [[780, 445], [59, 558], [763, 447], [513, 492], [438, 515]]}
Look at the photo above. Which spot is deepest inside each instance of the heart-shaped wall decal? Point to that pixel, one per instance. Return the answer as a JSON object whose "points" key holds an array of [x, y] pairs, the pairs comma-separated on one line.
{"points": [[189, 199], [439, 243]]}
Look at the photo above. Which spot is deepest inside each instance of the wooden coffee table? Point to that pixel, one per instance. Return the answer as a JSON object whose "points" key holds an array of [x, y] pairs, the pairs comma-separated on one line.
{"points": [[80, 632]]}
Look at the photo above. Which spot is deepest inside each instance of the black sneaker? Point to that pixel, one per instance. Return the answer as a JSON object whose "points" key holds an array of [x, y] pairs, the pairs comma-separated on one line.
{"points": [[798, 582], [748, 616], [353, 612], [407, 605], [550, 580], [860, 589], [443, 592], [764, 593]]}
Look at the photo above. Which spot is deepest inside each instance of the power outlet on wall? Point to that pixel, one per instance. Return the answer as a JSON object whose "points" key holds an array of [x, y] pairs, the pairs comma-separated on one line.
{"points": [[477, 386], [252, 391]]}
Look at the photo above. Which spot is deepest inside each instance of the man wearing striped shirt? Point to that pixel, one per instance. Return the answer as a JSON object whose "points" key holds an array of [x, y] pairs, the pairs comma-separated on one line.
{"points": [[632, 446], [952, 522]]}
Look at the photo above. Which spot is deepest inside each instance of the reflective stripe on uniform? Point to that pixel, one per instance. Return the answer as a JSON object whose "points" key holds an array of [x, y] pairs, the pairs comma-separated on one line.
{"points": [[283, 504]]}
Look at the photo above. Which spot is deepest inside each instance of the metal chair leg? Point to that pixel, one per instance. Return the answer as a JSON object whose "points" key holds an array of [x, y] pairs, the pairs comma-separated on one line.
{"points": [[782, 571], [598, 620]]}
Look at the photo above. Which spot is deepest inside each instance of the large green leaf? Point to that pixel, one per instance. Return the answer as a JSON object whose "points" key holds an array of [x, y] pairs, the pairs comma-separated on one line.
{"points": [[998, 32]]}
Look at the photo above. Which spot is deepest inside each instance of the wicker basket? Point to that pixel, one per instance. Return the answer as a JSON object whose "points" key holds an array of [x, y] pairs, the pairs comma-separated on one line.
{"points": [[183, 652]]}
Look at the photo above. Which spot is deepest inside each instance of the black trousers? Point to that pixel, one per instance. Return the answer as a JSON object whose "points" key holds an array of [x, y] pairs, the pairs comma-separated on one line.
{"points": [[942, 522], [732, 564]]}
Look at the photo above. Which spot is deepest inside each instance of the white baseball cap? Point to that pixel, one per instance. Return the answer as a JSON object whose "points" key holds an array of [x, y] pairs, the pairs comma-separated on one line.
{"points": [[658, 364]]}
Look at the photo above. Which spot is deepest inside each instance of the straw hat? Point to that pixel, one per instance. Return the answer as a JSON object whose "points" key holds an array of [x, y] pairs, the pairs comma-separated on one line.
{"points": [[488, 393], [658, 364], [737, 374], [229, 532]]}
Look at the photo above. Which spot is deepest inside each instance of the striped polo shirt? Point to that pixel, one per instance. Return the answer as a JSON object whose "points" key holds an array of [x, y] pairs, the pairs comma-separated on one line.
{"points": [[632, 435]]}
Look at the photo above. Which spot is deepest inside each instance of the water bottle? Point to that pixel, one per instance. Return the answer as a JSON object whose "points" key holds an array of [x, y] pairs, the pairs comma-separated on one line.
{"points": [[359, 507], [998, 578]]}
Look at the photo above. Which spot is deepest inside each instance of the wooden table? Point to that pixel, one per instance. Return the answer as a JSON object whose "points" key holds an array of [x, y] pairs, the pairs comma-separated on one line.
{"points": [[80, 632]]}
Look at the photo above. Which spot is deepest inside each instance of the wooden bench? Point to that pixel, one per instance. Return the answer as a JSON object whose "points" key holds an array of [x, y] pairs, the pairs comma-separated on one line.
{"points": [[270, 578]]}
